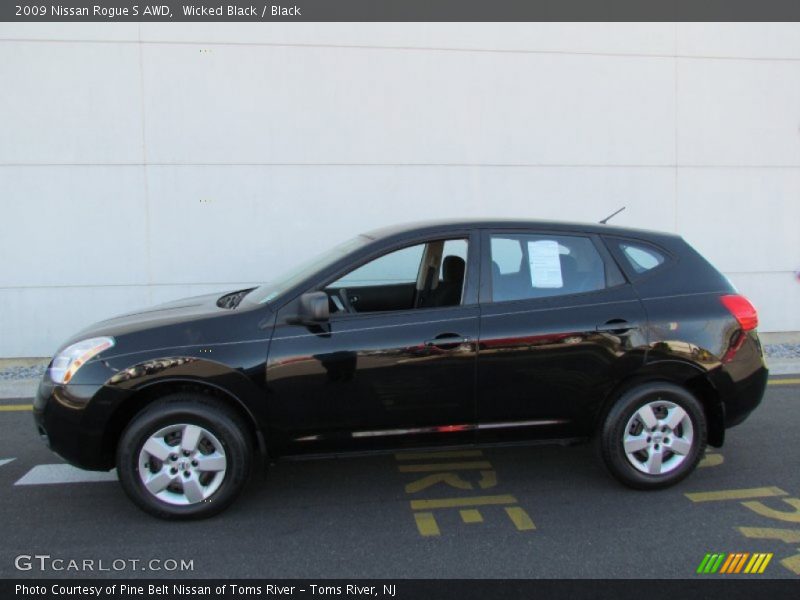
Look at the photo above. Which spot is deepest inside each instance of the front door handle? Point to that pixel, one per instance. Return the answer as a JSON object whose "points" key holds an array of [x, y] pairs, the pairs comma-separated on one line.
{"points": [[447, 341], [617, 327]]}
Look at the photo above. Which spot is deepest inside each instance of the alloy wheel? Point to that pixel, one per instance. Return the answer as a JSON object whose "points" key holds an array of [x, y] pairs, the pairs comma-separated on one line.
{"points": [[658, 437], [182, 464]]}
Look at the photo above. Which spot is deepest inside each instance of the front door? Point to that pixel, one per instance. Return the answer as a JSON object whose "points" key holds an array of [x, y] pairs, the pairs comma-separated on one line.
{"points": [[394, 366]]}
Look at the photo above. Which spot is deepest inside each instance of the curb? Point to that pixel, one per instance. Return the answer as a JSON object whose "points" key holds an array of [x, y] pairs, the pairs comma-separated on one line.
{"points": [[22, 388]]}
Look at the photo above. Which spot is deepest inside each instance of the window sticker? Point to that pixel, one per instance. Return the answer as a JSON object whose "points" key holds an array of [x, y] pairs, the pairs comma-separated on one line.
{"points": [[545, 264]]}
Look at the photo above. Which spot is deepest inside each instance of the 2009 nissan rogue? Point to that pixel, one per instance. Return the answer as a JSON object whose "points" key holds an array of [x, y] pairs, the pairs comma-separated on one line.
{"points": [[432, 335]]}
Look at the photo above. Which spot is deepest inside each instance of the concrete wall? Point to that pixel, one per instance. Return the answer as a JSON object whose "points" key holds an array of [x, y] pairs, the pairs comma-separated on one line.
{"points": [[141, 163]]}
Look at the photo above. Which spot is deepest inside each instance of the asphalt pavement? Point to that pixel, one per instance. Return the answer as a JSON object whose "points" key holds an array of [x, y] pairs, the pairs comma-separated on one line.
{"points": [[513, 512]]}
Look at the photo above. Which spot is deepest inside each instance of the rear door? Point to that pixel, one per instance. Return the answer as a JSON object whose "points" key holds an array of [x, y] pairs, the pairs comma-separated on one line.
{"points": [[559, 324]]}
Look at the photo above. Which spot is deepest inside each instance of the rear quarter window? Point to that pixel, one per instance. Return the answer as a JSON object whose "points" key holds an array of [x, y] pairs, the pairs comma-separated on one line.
{"points": [[638, 257]]}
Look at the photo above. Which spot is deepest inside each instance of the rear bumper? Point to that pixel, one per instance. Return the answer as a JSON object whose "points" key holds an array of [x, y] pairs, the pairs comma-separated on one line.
{"points": [[745, 381], [748, 395]]}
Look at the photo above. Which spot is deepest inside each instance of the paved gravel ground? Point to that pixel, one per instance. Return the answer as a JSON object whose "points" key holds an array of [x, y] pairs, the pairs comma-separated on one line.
{"points": [[782, 350], [18, 373]]}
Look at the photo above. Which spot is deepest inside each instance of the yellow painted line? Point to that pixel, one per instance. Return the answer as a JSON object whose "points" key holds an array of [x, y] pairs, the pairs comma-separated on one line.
{"points": [[743, 494], [15, 407], [470, 515], [792, 516], [712, 460], [520, 518], [787, 536], [792, 563], [444, 467], [426, 524], [783, 382], [765, 563], [488, 479], [451, 479], [427, 455], [462, 502]]}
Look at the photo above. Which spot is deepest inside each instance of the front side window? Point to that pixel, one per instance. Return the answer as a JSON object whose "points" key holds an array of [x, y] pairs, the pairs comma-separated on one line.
{"points": [[526, 266], [396, 268], [426, 275]]}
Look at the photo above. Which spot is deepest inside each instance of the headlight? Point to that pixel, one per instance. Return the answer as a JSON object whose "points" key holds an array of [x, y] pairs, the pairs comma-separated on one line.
{"points": [[70, 359]]}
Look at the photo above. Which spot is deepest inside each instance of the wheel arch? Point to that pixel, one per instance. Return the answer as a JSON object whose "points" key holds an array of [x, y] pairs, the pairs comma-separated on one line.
{"points": [[688, 375], [148, 393]]}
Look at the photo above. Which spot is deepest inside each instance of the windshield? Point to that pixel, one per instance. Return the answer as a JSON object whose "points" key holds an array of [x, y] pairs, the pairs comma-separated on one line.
{"points": [[270, 291]]}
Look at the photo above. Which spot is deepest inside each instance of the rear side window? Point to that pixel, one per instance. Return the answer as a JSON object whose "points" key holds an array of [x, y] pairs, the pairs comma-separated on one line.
{"points": [[537, 266], [641, 258]]}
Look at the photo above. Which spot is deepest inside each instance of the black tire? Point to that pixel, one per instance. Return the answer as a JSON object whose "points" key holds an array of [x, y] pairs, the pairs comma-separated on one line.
{"points": [[226, 428], [618, 423]]}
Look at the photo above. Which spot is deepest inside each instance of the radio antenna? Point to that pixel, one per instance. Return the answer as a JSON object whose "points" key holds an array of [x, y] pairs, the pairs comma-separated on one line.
{"points": [[611, 216]]}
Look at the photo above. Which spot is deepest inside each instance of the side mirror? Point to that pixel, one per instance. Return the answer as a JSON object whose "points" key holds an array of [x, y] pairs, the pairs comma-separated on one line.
{"points": [[313, 308]]}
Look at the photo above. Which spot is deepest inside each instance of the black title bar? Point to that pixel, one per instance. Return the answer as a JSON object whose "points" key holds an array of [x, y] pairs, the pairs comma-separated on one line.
{"points": [[400, 10], [732, 588]]}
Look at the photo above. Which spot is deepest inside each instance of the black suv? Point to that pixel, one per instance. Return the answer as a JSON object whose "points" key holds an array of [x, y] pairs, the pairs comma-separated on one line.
{"points": [[431, 335]]}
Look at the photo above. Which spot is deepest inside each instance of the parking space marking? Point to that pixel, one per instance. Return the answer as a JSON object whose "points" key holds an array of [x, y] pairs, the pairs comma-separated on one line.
{"points": [[441, 472], [426, 524], [792, 516], [711, 460], [451, 479], [61, 473], [787, 536], [460, 502], [792, 563], [5, 461], [783, 382], [742, 494], [15, 407], [520, 518], [470, 515]]}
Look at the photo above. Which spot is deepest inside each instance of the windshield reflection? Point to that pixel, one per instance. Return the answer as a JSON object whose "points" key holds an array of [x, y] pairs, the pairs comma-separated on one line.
{"points": [[269, 291]]}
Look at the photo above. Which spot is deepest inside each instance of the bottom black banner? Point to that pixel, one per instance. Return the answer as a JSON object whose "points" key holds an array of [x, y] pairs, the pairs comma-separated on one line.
{"points": [[403, 589]]}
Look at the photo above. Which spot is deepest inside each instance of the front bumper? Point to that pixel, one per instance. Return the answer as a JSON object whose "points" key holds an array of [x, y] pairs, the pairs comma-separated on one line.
{"points": [[72, 420]]}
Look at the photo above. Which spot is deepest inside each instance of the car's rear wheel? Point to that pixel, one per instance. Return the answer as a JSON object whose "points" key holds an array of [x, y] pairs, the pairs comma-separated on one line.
{"points": [[184, 457], [653, 436]]}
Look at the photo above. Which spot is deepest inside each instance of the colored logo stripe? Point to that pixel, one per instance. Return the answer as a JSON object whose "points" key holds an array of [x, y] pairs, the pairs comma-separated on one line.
{"points": [[710, 563], [735, 562]]}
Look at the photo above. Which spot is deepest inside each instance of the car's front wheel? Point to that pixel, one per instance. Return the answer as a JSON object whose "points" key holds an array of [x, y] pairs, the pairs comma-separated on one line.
{"points": [[184, 457], [653, 436]]}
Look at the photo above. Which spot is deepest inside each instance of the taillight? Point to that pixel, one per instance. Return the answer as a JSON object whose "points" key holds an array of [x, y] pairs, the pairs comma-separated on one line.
{"points": [[744, 312]]}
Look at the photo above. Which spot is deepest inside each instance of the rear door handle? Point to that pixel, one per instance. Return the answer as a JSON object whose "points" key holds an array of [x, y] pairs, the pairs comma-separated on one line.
{"points": [[617, 327], [447, 341]]}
